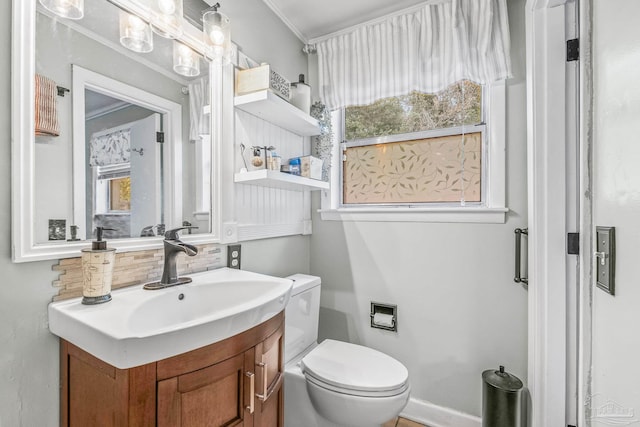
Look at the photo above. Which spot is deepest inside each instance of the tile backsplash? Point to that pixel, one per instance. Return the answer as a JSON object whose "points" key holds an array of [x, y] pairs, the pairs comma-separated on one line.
{"points": [[133, 268]]}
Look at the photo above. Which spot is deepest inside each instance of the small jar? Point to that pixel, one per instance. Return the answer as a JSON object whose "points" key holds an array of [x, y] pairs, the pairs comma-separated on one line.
{"points": [[294, 166], [275, 162]]}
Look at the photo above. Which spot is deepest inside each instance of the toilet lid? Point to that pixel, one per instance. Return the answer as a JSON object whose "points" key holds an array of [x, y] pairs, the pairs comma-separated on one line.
{"points": [[354, 367]]}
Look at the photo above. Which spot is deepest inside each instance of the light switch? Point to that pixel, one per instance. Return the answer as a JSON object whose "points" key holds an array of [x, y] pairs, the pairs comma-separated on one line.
{"points": [[606, 258]]}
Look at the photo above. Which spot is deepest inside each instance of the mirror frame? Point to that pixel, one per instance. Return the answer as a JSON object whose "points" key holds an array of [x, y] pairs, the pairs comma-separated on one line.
{"points": [[24, 247]]}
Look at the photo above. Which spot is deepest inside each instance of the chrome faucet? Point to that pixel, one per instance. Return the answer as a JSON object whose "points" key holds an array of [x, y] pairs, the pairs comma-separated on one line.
{"points": [[172, 247]]}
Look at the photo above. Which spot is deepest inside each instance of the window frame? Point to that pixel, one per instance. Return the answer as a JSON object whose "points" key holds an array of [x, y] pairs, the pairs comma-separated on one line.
{"points": [[491, 209], [102, 193]]}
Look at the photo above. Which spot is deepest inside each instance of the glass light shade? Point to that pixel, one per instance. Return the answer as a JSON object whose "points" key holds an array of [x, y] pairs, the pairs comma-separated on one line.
{"points": [[166, 17], [71, 9], [185, 61], [135, 34], [217, 36]]}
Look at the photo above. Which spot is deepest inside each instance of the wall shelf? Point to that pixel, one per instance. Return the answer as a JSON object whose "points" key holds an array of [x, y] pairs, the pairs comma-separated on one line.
{"points": [[275, 179], [271, 108]]}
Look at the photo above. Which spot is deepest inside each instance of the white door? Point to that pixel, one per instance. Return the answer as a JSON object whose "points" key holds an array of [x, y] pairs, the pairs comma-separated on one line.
{"points": [[146, 203], [613, 395]]}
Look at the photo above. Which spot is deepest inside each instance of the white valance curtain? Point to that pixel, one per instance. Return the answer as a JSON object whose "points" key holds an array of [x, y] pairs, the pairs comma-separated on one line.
{"points": [[198, 98], [111, 148], [426, 49]]}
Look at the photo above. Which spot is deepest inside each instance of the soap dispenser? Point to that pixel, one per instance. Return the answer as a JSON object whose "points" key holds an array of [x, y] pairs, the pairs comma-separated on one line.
{"points": [[97, 270]]}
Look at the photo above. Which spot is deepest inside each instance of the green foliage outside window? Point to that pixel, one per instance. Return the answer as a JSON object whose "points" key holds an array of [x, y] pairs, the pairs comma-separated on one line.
{"points": [[460, 104]]}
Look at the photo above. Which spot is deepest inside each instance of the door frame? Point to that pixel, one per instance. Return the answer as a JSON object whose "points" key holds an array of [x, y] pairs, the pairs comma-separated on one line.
{"points": [[585, 301], [549, 127]]}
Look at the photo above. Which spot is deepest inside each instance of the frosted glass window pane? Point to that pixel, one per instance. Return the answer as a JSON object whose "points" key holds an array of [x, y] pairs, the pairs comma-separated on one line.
{"points": [[440, 169]]}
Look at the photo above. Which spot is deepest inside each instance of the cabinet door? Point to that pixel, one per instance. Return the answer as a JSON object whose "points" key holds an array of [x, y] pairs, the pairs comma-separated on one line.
{"points": [[269, 359], [213, 396]]}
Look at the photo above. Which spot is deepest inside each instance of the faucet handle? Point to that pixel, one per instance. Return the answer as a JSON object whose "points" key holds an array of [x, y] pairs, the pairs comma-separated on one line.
{"points": [[173, 233]]}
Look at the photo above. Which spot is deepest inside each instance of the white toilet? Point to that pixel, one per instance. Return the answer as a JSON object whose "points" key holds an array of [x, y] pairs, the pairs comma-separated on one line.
{"points": [[334, 383]]}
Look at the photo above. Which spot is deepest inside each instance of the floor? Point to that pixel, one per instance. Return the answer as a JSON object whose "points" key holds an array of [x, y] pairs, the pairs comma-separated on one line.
{"points": [[403, 422]]}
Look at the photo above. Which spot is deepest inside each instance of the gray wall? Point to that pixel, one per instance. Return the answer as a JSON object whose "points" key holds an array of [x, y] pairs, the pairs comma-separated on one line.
{"points": [[262, 36], [459, 310], [29, 357]]}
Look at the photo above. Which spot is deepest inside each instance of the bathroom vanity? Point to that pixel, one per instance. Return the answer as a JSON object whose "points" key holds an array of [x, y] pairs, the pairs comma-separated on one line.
{"points": [[208, 352], [237, 381]]}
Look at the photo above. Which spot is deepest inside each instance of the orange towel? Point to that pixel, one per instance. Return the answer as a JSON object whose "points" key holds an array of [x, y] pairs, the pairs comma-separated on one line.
{"points": [[46, 107]]}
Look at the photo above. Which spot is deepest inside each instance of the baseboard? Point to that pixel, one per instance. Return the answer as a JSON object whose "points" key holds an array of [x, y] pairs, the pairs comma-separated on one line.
{"points": [[438, 416]]}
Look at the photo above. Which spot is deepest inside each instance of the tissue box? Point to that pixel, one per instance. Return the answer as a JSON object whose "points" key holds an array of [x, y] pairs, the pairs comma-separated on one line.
{"points": [[261, 78], [311, 167]]}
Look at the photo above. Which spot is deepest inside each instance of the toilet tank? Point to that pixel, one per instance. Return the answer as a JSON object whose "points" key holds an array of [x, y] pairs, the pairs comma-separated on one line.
{"points": [[301, 315]]}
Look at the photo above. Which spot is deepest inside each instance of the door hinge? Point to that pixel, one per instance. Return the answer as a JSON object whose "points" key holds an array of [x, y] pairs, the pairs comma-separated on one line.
{"points": [[573, 50], [160, 137], [573, 243]]}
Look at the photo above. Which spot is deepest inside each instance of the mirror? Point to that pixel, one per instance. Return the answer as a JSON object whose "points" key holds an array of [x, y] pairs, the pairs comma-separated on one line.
{"points": [[132, 150], [123, 178]]}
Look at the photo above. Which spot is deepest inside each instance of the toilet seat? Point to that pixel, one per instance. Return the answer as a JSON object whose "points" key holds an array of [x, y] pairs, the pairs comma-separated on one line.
{"points": [[354, 370]]}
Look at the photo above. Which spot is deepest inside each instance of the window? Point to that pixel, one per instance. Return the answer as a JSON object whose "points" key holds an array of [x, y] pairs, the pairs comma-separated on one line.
{"points": [[112, 186], [421, 157], [120, 194], [419, 148]]}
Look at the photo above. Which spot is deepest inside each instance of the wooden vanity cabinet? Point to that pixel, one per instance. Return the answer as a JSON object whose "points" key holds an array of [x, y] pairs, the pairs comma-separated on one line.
{"points": [[235, 382]]}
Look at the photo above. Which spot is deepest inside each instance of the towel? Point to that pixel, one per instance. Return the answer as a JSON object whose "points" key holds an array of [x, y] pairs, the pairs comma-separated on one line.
{"points": [[46, 107]]}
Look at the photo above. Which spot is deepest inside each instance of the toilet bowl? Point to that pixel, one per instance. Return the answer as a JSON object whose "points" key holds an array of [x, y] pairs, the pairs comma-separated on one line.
{"points": [[335, 383]]}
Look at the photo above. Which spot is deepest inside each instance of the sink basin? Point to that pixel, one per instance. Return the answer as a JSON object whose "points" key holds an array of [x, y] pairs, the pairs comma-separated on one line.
{"points": [[141, 326]]}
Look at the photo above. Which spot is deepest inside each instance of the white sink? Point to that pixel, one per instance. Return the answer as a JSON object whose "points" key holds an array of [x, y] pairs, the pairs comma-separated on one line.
{"points": [[141, 326]]}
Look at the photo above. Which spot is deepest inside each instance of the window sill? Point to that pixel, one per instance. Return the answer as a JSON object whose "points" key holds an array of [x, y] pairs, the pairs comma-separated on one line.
{"points": [[451, 215]]}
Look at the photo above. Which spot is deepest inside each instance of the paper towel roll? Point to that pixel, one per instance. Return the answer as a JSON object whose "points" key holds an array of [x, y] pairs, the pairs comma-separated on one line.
{"points": [[382, 319], [301, 95]]}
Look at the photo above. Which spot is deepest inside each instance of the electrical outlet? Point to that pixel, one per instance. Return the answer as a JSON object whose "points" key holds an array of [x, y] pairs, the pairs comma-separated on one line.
{"points": [[233, 256]]}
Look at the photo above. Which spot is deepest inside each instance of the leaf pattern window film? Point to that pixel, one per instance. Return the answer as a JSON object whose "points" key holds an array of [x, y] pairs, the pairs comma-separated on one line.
{"points": [[430, 170]]}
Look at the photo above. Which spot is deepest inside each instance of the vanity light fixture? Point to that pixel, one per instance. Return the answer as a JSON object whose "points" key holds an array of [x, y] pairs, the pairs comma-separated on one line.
{"points": [[166, 17], [217, 34], [135, 34], [71, 9], [185, 61]]}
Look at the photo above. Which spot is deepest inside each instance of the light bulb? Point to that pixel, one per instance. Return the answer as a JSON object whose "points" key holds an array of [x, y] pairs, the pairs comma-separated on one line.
{"points": [[135, 34], [167, 7], [166, 18], [185, 61], [71, 9], [216, 35]]}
